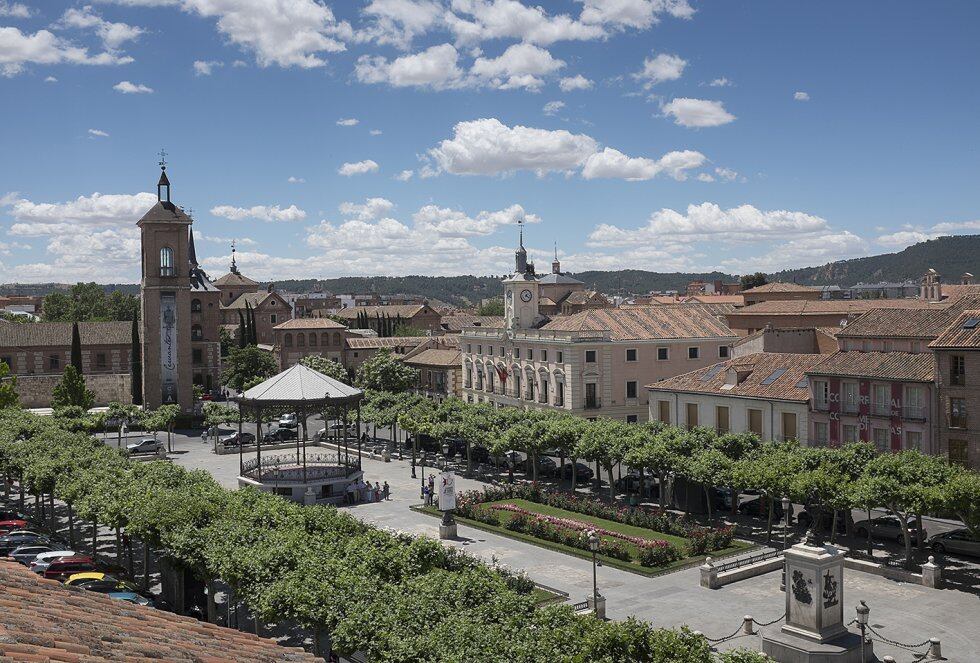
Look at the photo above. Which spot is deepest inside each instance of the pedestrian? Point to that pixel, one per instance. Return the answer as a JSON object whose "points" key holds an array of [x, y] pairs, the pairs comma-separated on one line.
{"points": [[385, 491], [351, 487], [426, 495], [377, 491]]}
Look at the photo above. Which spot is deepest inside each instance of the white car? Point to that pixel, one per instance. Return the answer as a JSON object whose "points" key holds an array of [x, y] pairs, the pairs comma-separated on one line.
{"points": [[43, 561], [145, 446], [287, 421]]}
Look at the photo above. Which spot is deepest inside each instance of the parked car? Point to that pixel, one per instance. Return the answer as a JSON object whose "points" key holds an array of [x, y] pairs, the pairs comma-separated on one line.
{"points": [[65, 567], [513, 458], [630, 482], [278, 435], [44, 560], [583, 472], [288, 421], [26, 553], [18, 538], [87, 576], [238, 439], [131, 597], [12, 515], [887, 527], [147, 445], [547, 467], [7, 526], [759, 508], [805, 519], [959, 541]]}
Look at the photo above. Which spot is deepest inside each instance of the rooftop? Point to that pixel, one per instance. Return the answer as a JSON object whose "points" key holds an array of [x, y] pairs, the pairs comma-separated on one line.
{"points": [[45, 621], [964, 332], [253, 299], [768, 375], [457, 321], [562, 279], [443, 357], [164, 212], [644, 322], [299, 383], [235, 279], [404, 310], [310, 323], [375, 342], [779, 286], [900, 366], [831, 306], [41, 334], [899, 323]]}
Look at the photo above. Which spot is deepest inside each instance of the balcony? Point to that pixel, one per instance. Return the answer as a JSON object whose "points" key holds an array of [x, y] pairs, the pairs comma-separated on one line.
{"points": [[821, 405], [914, 412], [593, 403]]}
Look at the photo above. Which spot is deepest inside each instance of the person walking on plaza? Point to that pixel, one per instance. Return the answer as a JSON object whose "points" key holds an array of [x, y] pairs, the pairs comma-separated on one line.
{"points": [[377, 491], [385, 491]]}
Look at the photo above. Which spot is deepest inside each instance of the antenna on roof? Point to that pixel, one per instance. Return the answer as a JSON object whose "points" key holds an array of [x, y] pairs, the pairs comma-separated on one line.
{"points": [[163, 159]]}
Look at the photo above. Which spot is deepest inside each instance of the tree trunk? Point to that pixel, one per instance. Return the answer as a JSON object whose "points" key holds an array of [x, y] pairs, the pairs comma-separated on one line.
{"points": [[735, 498], [95, 539], [772, 507], [574, 473], [119, 549], [598, 477], [469, 460], [918, 525], [612, 489], [639, 489], [534, 467], [6, 486], [71, 527], [833, 527], [20, 485], [707, 500], [212, 606], [146, 565], [687, 497], [661, 489], [54, 518], [870, 549]]}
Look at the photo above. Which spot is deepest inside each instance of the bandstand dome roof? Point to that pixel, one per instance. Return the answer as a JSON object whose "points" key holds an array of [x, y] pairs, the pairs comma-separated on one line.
{"points": [[298, 384]]}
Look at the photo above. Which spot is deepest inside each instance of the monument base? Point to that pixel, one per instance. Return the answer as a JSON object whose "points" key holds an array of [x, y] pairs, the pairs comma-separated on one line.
{"points": [[447, 531], [789, 648]]}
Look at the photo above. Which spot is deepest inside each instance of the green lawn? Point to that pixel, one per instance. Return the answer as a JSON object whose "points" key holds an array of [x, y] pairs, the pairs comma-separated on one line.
{"points": [[542, 596], [635, 567]]}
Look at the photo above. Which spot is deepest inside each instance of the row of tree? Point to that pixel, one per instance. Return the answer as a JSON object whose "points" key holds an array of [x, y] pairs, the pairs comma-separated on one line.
{"points": [[357, 588], [88, 302], [828, 480]]}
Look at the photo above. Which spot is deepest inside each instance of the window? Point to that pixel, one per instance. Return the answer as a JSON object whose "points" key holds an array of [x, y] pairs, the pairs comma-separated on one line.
{"points": [[590, 356], [530, 387], [301, 340], [273, 302], [914, 405], [468, 377], [8, 361], [693, 353], [517, 385], [54, 363], [663, 411], [820, 432], [591, 396], [100, 360], [755, 421], [880, 402], [692, 415], [517, 353], [850, 433], [312, 339], [559, 394], [287, 340], [469, 348], [530, 354], [337, 340], [662, 354], [490, 380], [195, 306], [631, 354], [561, 357], [166, 261], [490, 351], [479, 378], [821, 395], [197, 334], [880, 437], [957, 413], [723, 351], [544, 355], [544, 389], [501, 351], [850, 397], [789, 426], [631, 389], [272, 318], [197, 356], [479, 349], [957, 370], [913, 440], [958, 452], [631, 418], [722, 424]]}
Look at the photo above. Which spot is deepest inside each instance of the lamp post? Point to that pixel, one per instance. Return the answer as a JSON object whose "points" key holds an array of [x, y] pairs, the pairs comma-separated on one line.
{"points": [[862, 619], [594, 547]]}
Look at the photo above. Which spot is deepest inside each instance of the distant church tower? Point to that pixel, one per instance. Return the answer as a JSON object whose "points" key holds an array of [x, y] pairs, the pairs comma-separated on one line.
{"points": [[165, 305], [521, 292]]}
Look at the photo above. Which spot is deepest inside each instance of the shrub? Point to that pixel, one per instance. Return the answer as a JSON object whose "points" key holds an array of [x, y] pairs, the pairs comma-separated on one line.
{"points": [[659, 553]]}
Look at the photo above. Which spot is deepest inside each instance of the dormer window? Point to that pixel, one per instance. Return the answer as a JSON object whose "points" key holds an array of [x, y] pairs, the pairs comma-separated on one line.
{"points": [[166, 261]]}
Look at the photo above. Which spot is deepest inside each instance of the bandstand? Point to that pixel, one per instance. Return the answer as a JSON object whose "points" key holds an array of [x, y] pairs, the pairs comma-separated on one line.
{"points": [[306, 478]]}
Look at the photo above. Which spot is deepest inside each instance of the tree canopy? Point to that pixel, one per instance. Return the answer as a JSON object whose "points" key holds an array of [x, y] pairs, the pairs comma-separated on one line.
{"points": [[71, 391], [89, 302], [247, 367], [385, 372]]}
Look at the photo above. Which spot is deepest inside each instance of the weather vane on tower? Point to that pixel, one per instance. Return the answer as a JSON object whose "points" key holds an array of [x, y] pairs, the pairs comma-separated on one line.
{"points": [[163, 159]]}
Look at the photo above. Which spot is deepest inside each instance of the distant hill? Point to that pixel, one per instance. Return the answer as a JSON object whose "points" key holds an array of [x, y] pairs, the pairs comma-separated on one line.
{"points": [[950, 256]]}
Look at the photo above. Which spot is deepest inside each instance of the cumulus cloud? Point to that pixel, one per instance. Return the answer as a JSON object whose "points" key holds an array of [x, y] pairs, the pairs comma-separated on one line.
{"points": [[296, 180], [728, 175], [260, 212], [803, 252], [110, 210], [398, 22], [520, 66], [639, 14], [375, 132], [721, 82], [132, 88], [447, 222], [358, 168], [903, 238], [405, 175], [206, 67], [576, 82], [697, 112], [98, 133], [50, 79], [610, 163], [436, 68], [18, 49], [348, 122], [14, 9], [113, 35], [913, 235], [801, 96], [553, 107], [372, 208], [659, 69]]}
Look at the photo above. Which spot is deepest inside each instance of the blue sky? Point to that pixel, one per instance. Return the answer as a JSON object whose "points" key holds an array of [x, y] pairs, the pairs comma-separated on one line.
{"points": [[409, 136]]}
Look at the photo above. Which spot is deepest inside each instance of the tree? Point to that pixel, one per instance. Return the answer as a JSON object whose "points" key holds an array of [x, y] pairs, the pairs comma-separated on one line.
{"points": [[85, 302], [405, 329], [136, 365], [328, 367], [247, 367], [216, 414], [493, 307], [8, 387], [750, 281], [72, 391], [385, 372], [76, 348], [961, 495], [166, 416]]}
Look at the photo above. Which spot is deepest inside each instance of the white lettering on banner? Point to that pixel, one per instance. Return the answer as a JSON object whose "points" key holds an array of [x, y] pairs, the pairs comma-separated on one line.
{"points": [[168, 348], [447, 491], [835, 416], [834, 397]]}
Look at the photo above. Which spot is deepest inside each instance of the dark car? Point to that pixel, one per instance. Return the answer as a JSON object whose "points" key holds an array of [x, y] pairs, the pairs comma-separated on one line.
{"points": [[959, 541], [238, 439], [759, 508], [630, 483], [547, 467], [279, 435], [26, 553], [18, 538], [65, 567], [106, 586], [583, 472], [887, 527]]}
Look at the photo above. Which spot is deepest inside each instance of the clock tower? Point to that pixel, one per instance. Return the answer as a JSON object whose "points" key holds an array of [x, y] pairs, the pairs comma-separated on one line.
{"points": [[521, 292]]}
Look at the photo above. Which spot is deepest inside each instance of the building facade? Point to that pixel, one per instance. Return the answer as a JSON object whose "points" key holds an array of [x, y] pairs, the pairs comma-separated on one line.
{"points": [[957, 353], [269, 309], [419, 316], [300, 337], [439, 368], [779, 291]]}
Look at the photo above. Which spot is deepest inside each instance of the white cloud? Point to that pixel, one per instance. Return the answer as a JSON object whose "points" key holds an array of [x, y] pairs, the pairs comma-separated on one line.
{"points": [[239, 63], [474, 21], [98, 133], [697, 112], [576, 82], [372, 208], [447, 222], [206, 67], [721, 82], [951, 226], [639, 14], [14, 9], [405, 175], [18, 49], [398, 22], [107, 210], [913, 235], [260, 212], [553, 107], [50, 79], [801, 96], [347, 122], [296, 180], [706, 177], [113, 35], [358, 168], [803, 252], [520, 66], [132, 88], [375, 132], [728, 175], [435, 67], [239, 241], [664, 67], [610, 163], [904, 238]]}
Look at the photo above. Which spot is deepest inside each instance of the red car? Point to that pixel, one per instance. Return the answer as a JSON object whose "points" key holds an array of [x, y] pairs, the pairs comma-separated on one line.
{"points": [[11, 525], [65, 567]]}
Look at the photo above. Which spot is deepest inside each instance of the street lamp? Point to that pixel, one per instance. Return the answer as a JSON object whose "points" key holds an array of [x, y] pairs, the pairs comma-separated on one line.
{"points": [[786, 505], [594, 547], [862, 619]]}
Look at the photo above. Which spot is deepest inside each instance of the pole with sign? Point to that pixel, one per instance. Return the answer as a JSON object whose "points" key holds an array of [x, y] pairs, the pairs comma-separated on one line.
{"points": [[446, 485]]}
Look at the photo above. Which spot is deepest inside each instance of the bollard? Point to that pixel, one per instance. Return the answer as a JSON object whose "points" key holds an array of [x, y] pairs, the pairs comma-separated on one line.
{"points": [[935, 650], [709, 574], [747, 625], [932, 574]]}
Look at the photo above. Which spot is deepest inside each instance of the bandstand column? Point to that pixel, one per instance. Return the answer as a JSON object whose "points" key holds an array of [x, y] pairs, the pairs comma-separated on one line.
{"points": [[258, 441], [358, 435], [241, 459]]}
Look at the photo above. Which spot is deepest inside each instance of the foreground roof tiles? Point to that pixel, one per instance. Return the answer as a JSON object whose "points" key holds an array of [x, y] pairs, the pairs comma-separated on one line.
{"points": [[780, 286], [644, 323], [375, 342], [42, 620], [964, 332], [784, 373], [443, 357], [901, 366], [39, 334], [831, 306], [404, 310], [310, 323]]}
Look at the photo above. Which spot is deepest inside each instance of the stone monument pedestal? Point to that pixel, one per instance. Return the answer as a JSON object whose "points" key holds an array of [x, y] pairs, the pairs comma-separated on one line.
{"points": [[814, 631], [447, 528], [597, 604]]}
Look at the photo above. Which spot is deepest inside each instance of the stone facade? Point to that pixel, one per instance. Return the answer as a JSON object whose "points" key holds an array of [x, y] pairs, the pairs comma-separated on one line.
{"points": [[35, 390], [959, 405]]}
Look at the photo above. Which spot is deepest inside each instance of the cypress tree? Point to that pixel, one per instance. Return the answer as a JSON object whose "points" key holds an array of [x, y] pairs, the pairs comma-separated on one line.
{"points": [[76, 348], [136, 362], [241, 330]]}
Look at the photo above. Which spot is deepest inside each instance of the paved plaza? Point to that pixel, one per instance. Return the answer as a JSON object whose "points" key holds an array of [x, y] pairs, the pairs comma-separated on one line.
{"points": [[900, 611]]}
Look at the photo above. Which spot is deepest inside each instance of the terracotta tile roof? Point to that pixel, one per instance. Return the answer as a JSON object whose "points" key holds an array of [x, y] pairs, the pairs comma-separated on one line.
{"points": [[736, 300], [456, 322], [436, 357], [964, 332], [41, 334], [45, 621], [374, 342], [254, 299], [404, 310], [644, 322], [233, 279], [784, 372], [954, 290], [779, 286], [902, 366], [831, 306], [310, 323], [899, 323]]}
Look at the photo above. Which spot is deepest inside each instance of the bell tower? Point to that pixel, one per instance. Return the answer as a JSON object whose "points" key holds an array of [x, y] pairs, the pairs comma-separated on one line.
{"points": [[165, 301], [521, 291]]}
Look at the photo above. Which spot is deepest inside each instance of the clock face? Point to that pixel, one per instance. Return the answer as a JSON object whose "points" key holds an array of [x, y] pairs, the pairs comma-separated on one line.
{"points": [[526, 295]]}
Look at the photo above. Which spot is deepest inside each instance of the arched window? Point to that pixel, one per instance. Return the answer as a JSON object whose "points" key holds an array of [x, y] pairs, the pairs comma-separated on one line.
{"points": [[288, 340], [324, 338], [312, 339], [166, 261], [197, 334], [336, 339], [195, 306], [301, 340]]}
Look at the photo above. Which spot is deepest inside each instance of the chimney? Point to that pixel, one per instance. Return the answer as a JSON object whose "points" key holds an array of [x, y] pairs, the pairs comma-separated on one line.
{"points": [[269, 288]]}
